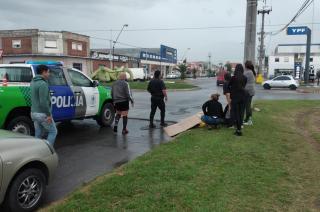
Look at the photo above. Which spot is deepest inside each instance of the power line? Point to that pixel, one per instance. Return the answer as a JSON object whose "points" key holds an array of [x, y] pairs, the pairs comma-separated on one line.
{"points": [[182, 28], [304, 6]]}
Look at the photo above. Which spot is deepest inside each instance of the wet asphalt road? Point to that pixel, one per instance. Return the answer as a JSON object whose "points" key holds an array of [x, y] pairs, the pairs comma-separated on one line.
{"points": [[86, 151]]}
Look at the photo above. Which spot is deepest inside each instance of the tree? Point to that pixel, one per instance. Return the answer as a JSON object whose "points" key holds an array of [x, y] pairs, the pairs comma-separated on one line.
{"points": [[229, 67], [183, 70]]}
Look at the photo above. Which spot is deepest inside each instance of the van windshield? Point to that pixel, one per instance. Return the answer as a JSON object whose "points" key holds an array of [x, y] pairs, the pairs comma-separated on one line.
{"points": [[16, 74]]}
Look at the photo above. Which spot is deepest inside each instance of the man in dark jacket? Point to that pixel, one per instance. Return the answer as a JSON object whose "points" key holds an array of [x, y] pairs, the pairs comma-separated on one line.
{"points": [[213, 111], [41, 105], [158, 91], [121, 95]]}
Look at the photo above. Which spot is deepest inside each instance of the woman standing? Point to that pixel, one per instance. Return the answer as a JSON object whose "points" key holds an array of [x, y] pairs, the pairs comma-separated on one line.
{"points": [[250, 74], [238, 96]]}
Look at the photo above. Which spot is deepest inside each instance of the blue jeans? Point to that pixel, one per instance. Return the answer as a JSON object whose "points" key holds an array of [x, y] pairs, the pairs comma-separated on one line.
{"points": [[209, 120], [42, 127]]}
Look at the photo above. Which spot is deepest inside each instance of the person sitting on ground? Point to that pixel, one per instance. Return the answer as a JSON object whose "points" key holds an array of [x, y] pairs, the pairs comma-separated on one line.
{"points": [[213, 111]]}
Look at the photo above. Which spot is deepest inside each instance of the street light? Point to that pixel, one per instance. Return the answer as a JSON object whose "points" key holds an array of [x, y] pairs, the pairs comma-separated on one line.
{"points": [[114, 43]]}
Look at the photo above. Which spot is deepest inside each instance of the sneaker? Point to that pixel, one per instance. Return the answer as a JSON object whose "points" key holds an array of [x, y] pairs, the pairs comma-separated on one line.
{"points": [[238, 133], [164, 124], [248, 123], [152, 126], [115, 129], [125, 131]]}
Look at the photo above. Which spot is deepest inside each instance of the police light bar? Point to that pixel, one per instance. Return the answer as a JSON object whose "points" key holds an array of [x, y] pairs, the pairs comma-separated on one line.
{"points": [[30, 62]]}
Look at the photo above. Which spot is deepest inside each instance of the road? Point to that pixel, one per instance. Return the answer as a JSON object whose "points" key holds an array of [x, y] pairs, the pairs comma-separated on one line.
{"points": [[87, 151]]}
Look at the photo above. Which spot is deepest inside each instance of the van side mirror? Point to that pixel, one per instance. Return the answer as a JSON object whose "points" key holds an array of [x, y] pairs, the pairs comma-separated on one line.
{"points": [[95, 83]]}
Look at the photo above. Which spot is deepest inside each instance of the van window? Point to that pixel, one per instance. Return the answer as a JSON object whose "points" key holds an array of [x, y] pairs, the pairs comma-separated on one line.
{"points": [[16, 74], [57, 77]]}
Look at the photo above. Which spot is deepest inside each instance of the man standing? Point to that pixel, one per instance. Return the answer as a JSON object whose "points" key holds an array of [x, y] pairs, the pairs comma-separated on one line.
{"points": [[121, 95], [157, 89], [41, 105]]}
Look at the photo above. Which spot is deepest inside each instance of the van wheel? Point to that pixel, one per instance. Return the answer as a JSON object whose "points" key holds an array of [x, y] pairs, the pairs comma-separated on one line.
{"points": [[21, 124], [26, 191], [106, 117], [293, 87], [267, 86]]}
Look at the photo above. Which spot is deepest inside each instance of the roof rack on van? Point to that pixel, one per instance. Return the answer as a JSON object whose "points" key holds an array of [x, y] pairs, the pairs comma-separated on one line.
{"points": [[30, 62]]}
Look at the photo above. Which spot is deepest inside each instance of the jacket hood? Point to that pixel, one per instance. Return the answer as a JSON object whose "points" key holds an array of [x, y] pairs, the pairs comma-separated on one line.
{"points": [[38, 78]]}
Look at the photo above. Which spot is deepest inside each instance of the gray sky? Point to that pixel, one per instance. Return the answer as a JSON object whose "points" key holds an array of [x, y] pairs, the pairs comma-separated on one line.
{"points": [[90, 17]]}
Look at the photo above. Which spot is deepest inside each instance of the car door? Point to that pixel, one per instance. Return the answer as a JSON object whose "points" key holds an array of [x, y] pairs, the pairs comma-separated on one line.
{"points": [[62, 97], [87, 95], [276, 82], [286, 81], [1, 173]]}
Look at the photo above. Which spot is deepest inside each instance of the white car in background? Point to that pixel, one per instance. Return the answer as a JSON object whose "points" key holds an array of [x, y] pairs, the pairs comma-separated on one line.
{"points": [[284, 81]]}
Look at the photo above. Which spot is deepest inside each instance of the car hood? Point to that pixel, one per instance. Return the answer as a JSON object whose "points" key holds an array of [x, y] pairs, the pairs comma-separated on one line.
{"points": [[9, 140]]}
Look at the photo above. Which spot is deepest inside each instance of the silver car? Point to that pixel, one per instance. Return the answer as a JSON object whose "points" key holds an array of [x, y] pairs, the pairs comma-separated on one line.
{"points": [[27, 165]]}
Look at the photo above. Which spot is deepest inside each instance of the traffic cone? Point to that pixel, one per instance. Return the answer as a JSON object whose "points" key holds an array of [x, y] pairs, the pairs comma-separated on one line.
{"points": [[4, 81]]}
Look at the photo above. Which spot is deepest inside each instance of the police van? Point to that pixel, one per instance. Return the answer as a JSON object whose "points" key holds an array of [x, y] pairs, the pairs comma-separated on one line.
{"points": [[73, 96]]}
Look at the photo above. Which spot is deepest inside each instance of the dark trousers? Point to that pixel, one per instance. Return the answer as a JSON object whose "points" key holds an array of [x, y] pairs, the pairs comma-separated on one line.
{"points": [[157, 102], [237, 113], [248, 108]]}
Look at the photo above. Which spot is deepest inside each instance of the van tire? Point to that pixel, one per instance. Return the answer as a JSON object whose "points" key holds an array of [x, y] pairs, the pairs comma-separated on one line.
{"points": [[106, 116], [21, 124], [266, 86]]}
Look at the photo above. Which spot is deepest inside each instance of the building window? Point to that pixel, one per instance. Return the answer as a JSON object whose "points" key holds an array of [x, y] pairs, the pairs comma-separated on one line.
{"points": [[16, 44], [77, 66], [79, 46], [276, 59], [286, 59], [52, 44], [311, 59], [74, 46]]}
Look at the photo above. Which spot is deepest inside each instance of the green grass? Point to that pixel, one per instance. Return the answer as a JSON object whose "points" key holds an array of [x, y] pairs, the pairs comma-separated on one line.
{"points": [[270, 168], [170, 84]]}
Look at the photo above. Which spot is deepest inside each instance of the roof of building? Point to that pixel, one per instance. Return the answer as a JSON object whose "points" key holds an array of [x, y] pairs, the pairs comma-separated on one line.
{"points": [[298, 44]]}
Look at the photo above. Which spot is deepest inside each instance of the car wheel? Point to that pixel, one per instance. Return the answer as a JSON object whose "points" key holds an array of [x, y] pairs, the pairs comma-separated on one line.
{"points": [[267, 86], [293, 87], [26, 191], [106, 116], [21, 124]]}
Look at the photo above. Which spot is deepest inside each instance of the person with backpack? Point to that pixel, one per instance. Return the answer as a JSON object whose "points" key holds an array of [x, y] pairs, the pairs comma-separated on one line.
{"points": [[238, 96]]}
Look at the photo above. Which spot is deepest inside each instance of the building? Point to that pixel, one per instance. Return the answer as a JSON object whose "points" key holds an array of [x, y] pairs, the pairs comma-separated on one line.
{"points": [[291, 58], [19, 46], [163, 58]]}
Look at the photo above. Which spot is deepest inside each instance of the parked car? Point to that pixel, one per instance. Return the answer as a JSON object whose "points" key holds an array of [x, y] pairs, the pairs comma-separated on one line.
{"points": [[27, 165], [172, 76], [284, 81], [73, 96], [220, 77]]}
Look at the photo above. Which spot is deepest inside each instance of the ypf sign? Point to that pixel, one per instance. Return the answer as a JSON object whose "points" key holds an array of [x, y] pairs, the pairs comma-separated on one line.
{"points": [[298, 30], [303, 30]]}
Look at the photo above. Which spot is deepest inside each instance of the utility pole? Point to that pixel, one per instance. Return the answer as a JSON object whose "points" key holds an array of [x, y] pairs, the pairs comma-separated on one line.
{"points": [[262, 35], [209, 62], [251, 30]]}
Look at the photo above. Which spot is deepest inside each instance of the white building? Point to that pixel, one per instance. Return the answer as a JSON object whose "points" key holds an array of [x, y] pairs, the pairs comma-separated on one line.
{"points": [[291, 59]]}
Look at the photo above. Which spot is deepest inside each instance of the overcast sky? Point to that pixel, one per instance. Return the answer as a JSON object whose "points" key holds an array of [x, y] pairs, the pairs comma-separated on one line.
{"points": [[92, 17]]}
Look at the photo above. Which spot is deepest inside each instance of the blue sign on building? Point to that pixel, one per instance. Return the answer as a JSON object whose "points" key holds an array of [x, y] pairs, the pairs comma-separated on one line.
{"points": [[302, 30], [167, 55]]}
